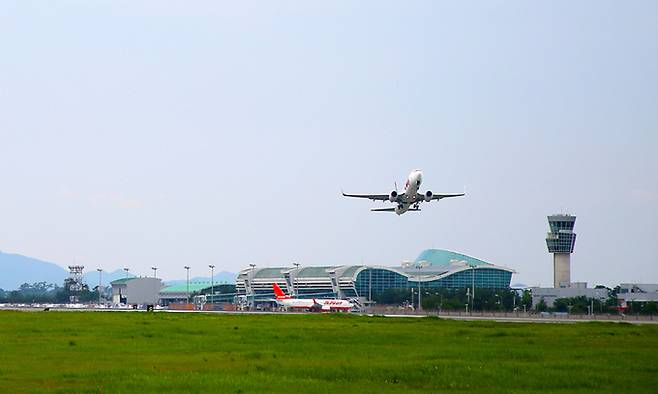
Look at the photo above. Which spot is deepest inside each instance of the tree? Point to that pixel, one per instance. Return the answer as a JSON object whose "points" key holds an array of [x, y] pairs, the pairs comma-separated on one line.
{"points": [[392, 296], [649, 308], [526, 299], [541, 306], [84, 295], [580, 304], [561, 305]]}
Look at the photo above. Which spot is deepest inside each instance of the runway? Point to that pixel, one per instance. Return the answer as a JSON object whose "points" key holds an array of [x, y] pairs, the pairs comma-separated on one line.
{"points": [[499, 319]]}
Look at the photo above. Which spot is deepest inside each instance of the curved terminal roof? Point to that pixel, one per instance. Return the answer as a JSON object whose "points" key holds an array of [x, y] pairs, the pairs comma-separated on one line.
{"points": [[444, 258], [270, 272], [432, 263]]}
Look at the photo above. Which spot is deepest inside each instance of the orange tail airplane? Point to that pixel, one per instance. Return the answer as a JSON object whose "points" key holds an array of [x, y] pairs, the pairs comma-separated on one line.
{"points": [[318, 304]]}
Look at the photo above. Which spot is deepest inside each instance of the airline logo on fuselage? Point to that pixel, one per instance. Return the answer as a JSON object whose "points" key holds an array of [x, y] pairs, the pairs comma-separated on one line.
{"points": [[333, 302]]}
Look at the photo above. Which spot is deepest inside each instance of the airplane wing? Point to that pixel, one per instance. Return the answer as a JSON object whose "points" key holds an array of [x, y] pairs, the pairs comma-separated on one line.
{"points": [[439, 196], [374, 197]]}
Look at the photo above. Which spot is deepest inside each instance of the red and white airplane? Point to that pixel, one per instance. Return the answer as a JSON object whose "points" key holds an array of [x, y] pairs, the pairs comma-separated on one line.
{"points": [[311, 304], [410, 199]]}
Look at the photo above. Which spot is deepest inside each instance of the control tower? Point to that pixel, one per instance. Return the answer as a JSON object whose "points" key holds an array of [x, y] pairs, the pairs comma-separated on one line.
{"points": [[560, 241]]}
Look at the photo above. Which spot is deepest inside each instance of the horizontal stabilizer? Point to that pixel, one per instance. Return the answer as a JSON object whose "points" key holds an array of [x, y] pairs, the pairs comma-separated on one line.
{"points": [[390, 209]]}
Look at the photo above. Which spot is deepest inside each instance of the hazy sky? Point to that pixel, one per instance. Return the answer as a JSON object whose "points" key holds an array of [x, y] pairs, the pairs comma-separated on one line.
{"points": [[188, 133]]}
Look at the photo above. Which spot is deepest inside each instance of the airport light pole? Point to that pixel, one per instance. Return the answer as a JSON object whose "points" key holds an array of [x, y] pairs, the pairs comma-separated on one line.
{"points": [[212, 282], [187, 267], [418, 267], [100, 281], [590, 307], [251, 288], [473, 288], [126, 269], [155, 269], [295, 282], [370, 288]]}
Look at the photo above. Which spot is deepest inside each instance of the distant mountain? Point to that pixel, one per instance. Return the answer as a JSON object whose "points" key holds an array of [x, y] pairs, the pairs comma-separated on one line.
{"points": [[220, 277], [17, 269], [91, 277]]}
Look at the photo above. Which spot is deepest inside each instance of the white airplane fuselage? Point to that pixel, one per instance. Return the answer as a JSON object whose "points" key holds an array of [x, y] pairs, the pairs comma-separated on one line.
{"points": [[319, 304], [315, 303], [414, 180]]}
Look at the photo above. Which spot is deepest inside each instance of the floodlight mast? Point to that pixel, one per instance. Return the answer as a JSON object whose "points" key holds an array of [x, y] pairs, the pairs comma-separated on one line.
{"points": [[187, 267], [418, 267], [212, 282], [295, 282], [472, 290], [100, 281], [154, 271], [251, 290], [473, 287]]}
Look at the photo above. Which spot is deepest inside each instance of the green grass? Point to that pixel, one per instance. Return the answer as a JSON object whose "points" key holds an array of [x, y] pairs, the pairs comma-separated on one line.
{"points": [[323, 353]]}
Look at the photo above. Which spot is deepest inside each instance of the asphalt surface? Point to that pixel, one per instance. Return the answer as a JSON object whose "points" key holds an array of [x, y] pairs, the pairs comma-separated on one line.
{"points": [[501, 319]]}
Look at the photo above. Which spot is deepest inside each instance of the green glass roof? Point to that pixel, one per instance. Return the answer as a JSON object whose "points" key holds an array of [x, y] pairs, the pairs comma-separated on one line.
{"points": [[182, 288], [440, 257]]}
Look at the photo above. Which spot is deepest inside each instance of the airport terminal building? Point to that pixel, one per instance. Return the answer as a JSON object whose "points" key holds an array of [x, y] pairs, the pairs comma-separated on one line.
{"points": [[434, 268]]}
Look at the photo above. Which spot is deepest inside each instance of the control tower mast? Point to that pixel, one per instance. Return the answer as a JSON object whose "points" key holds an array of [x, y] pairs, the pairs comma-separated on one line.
{"points": [[561, 241]]}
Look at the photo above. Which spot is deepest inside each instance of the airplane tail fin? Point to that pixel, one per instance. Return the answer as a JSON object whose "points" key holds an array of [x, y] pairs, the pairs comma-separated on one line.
{"points": [[278, 292]]}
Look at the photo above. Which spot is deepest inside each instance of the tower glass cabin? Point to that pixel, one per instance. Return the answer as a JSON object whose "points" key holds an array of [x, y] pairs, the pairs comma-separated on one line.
{"points": [[560, 241]]}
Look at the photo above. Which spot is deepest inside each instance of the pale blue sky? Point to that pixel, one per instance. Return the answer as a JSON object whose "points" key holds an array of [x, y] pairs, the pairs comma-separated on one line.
{"points": [[172, 133]]}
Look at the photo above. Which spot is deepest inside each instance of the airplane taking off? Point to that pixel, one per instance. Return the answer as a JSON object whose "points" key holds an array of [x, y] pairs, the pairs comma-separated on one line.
{"points": [[312, 304], [410, 199]]}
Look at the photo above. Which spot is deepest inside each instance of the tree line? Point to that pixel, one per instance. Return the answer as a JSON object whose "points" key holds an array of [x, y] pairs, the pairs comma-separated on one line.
{"points": [[505, 300], [457, 299], [46, 293]]}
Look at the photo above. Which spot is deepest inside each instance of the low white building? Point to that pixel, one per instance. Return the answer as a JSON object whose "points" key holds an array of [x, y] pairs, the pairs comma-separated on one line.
{"points": [[637, 292], [576, 289], [136, 291]]}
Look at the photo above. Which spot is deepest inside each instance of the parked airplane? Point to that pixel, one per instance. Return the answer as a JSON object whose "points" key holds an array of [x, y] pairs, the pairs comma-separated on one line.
{"points": [[312, 304], [410, 199]]}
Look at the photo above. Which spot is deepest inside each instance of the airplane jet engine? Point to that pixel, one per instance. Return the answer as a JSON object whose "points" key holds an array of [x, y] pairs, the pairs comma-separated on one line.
{"points": [[428, 196], [393, 196]]}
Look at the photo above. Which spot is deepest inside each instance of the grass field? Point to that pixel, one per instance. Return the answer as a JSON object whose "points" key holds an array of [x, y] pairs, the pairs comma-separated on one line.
{"points": [[166, 352]]}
